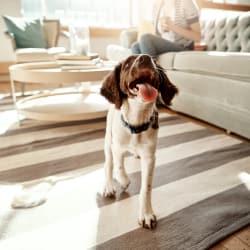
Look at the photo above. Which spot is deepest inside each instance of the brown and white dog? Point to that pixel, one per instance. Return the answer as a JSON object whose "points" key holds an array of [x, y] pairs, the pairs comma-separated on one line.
{"points": [[132, 124]]}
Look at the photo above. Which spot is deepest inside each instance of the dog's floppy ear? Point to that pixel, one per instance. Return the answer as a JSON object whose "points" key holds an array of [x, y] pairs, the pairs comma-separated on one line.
{"points": [[111, 87], [167, 89]]}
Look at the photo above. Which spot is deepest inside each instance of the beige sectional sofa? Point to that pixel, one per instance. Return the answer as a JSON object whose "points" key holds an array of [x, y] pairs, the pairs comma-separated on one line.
{"points": [[214, 84]]}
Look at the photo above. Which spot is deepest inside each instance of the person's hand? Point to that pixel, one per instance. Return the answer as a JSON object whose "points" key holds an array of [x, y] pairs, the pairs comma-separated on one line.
{"points": [[166, 23]]}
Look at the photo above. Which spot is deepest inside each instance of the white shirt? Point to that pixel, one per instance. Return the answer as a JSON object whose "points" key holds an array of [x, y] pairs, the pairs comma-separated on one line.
{"points": [[182, 13]]}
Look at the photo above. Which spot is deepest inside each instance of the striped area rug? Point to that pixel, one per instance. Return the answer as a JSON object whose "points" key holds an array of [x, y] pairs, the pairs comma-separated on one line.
{"points": [[201, 193]]}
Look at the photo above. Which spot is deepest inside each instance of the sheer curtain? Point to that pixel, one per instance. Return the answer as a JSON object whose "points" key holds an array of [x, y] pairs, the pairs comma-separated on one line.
{"points": [[101, 13]]}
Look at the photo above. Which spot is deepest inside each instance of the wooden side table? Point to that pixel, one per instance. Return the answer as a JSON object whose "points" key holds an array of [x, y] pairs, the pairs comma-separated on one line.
{"points": [[66, 106]]}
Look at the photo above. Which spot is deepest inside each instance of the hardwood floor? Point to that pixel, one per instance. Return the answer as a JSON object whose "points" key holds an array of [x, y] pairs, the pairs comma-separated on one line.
{"points": [[238, 241]]}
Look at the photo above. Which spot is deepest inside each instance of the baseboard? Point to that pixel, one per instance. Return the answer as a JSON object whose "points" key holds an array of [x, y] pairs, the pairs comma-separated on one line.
{"points": [[4, 71], [4, 78], [4, 67]]}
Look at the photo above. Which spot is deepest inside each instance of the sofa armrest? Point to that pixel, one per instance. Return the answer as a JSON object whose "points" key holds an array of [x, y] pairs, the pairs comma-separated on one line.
{"points": [[65, 34], [12, 39], [128, 37], [64, 40]]}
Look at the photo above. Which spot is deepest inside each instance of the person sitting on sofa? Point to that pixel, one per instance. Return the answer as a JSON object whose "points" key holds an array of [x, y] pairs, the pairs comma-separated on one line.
{"points": [[177, 27]]}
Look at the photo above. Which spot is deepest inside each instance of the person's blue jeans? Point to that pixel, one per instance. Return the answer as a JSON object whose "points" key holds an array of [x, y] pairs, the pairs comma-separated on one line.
{"points": [[155, 45]]}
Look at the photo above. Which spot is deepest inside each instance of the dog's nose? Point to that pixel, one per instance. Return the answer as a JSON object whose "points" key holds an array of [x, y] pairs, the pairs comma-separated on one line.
{"points": [[144, 61]]}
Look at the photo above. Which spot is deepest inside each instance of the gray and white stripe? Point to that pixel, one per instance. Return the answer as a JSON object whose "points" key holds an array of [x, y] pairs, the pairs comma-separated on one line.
{"points": [[197, 194]]}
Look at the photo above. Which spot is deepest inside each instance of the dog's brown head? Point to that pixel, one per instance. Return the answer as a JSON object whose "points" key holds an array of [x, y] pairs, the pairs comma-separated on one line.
{"points": [[137, 76]]}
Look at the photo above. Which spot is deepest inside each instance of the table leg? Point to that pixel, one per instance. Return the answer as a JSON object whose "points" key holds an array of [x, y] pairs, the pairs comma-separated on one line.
{"points": [[13, 93]]}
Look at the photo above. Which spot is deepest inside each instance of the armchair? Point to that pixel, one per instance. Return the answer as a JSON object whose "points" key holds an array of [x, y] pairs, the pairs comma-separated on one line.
{"points": [[56, 39]]}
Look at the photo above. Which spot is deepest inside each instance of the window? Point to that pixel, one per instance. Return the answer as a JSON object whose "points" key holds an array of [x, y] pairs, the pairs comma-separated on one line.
{"points": [[101, 13]]}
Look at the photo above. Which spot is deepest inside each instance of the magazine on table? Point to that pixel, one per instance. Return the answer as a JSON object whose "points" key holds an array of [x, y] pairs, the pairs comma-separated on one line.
{"points": [[70, 56], [78, 67], [77, 62]]}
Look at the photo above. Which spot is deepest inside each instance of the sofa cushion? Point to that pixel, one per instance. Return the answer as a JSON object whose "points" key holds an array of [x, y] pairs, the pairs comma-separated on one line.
{"points": [[166, 60], [229, 64], [28, 33], [221, 101], [37, 54], [226, 30]]}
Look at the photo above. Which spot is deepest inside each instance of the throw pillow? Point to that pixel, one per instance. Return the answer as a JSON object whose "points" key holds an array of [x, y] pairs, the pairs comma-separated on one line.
{"points": [[28, 33]]}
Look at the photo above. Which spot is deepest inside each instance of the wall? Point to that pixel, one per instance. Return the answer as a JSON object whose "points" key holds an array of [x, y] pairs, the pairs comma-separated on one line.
{"points": [[145, 12], [11, 8], [242, 2]]}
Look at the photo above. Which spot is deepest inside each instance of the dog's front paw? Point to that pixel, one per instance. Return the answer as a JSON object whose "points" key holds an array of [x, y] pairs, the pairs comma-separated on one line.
{"points": [[123, 179], [109, 189], [148, 221]]}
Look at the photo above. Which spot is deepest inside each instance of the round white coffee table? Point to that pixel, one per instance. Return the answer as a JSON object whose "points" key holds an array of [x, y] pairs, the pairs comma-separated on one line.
{"points": [[64, 106]]}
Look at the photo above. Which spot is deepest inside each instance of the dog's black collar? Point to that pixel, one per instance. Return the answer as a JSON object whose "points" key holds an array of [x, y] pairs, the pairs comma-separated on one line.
{"points": [[138, 129]]}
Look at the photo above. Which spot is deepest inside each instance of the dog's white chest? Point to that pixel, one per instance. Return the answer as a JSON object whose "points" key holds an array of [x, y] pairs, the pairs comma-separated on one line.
{"points": [[137, 143], [134, 142]]}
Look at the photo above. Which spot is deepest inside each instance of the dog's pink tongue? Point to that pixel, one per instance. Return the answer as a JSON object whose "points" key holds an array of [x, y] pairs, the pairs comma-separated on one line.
{"points": [[147, 92]]}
